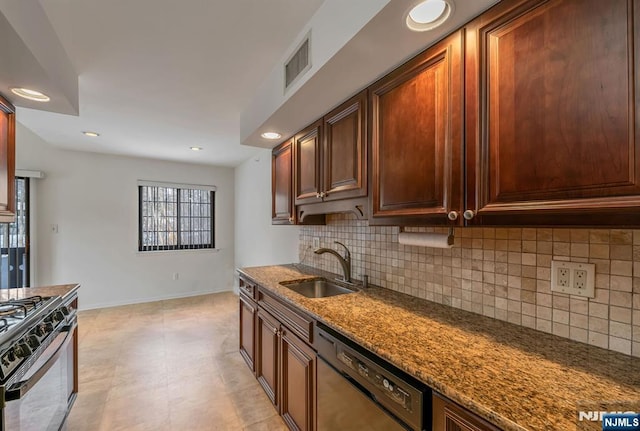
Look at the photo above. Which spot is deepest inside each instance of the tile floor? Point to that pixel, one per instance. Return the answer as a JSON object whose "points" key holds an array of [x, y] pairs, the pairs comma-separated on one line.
{"points": [[167, 365]]}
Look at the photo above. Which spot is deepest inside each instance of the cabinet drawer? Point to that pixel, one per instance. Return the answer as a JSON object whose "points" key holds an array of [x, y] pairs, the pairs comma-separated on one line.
{"points": [[248, 288], [297, 322]]}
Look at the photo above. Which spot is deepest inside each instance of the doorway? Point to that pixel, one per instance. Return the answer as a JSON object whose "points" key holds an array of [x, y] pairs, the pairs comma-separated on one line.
{"points": [[14, 242]]}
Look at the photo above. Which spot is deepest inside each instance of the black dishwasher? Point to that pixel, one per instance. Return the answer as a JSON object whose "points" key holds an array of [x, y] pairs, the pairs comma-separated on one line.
{"points": [[358, 390]]}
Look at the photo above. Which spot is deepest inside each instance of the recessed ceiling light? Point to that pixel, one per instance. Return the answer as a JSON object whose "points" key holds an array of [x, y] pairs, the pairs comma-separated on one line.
{"points": [[30, 94], [271, 135], [429, 14], [196, 148], [91, 134]]}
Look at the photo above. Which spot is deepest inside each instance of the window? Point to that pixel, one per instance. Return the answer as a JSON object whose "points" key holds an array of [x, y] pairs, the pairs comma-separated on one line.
{"points": [[175, 217]]}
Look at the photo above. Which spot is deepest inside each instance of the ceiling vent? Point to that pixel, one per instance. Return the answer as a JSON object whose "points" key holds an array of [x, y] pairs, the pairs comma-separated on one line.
{"points": [[298, 64]]}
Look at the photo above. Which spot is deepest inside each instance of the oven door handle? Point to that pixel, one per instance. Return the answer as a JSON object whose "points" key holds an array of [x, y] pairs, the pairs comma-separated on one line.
{"points": [[20, 389]]}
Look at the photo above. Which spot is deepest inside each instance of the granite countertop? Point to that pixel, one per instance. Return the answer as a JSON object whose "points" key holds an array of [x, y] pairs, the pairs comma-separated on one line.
{"points": [[57, 290], [514, 377]]}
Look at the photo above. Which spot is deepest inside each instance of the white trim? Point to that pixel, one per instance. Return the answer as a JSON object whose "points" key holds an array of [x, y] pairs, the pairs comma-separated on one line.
{"points": [[150, 299], [29, 174], [176, 185], [33, 234]]}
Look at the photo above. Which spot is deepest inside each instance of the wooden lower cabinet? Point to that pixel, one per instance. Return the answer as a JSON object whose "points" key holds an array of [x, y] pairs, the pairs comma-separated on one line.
{"points": [[247, 316], [298, 397], [267, 354], [248, 312], [448, 416], [286, 368], [283, 363]]}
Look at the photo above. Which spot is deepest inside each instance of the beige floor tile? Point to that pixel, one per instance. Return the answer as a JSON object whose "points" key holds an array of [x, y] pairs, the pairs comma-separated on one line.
{"points": [[167, 365], [274, 423]]}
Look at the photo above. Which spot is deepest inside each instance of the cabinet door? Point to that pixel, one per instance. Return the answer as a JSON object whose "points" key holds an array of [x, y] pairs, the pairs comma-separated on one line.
{"points": [[448, 416], [307, 150], [416, 138], [551, 113], [7, 158], [298, 397], [282, 211], [266, 362], [344, 150], [247, 330]]}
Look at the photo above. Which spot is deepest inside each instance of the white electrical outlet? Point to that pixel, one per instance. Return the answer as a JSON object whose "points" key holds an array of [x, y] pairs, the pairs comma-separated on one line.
{"points": [[316, 242], [580, 278], [564, 275], [573, 278]]}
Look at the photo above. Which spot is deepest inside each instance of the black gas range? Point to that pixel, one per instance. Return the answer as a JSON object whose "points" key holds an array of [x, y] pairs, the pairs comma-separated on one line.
{"points": [[36, 362]]}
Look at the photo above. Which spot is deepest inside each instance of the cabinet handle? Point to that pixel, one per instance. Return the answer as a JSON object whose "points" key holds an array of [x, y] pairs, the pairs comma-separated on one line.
{"points": [[290, 219], [317, 195], [324, 194], [453, 215], [468, 214]]}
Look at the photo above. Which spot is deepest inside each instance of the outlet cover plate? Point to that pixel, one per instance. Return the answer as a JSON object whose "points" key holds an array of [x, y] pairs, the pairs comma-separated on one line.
{"points": [[581, 282]]}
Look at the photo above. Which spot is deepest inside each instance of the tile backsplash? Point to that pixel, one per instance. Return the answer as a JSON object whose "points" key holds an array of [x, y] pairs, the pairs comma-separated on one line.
{"points": [[503, 273]]}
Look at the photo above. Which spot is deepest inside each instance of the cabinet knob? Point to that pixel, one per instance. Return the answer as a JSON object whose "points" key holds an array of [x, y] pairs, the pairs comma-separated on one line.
{"points": [[275, 331], [321, 195], [290, 219], [453, 215], [468, 214], [317, 195]]}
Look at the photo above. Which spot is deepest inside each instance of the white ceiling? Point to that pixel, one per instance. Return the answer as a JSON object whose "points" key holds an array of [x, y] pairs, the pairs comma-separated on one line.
{"points": [[159, 76], [155, 77]]}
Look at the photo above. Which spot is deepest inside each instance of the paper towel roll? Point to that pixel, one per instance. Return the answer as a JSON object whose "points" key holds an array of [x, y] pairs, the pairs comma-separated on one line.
{"points": [[435, 240]]}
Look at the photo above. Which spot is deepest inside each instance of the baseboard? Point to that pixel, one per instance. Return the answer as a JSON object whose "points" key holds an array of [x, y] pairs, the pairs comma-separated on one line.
{"points": [[151, 299]]}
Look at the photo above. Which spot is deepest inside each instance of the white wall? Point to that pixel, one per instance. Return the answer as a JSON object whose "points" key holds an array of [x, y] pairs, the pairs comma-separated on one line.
{"points": [[258, 242], [93, 199]]}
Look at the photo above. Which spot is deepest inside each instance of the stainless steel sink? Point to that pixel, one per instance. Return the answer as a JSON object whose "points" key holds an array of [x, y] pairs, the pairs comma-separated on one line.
{"points": [[317, 288]]}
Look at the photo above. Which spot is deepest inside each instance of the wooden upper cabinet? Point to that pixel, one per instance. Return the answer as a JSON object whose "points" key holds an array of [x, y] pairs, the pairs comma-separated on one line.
{"points": [[282, 211], [307, 151], [7, 160], [417, 138], [344, 150], [552, 89]]}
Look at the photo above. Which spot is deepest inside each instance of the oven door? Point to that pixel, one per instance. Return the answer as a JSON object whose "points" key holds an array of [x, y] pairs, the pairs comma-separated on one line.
{"points": [[342, 405], [43, 398]]}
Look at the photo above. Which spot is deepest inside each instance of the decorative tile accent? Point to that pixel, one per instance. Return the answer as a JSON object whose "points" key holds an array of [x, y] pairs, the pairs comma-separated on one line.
{"points": [[502, 273]]}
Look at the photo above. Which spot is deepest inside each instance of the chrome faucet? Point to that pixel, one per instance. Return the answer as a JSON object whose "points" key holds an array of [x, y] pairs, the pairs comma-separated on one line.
{"points": [[344, 261]]}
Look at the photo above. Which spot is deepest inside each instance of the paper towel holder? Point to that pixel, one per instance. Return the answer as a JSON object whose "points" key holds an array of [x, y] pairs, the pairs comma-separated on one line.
{"points": [[450, 234]]}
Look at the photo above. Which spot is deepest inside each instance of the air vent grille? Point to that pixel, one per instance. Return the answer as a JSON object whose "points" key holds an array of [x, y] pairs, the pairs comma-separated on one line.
{"points": [[297, 64]]}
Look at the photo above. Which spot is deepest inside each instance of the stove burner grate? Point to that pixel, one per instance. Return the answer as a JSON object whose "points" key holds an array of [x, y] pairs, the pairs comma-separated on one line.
{"points": [[18, 308]]}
